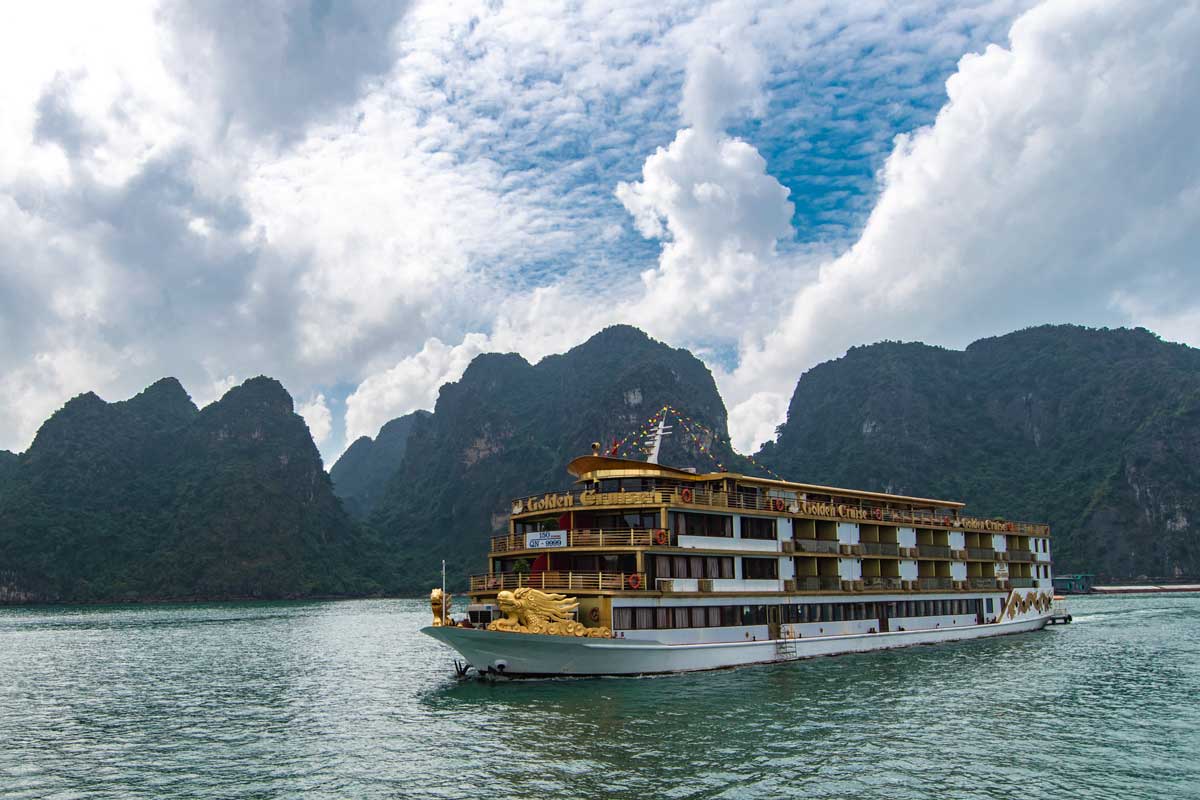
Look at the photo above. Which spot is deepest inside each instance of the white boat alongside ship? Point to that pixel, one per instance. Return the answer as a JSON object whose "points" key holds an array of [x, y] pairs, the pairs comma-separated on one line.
{"points": [[668, 570]]}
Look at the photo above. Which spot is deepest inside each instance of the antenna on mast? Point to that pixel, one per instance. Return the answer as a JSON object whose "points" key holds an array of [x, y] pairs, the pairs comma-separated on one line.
{"points": [[655, 443]]}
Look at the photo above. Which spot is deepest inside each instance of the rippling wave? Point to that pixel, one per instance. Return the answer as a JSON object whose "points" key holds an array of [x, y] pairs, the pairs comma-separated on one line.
{"points": [[348, 699]]}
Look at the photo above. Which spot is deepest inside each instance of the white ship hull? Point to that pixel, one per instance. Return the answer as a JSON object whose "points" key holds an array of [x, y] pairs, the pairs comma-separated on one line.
{"points": [[534, 655]]}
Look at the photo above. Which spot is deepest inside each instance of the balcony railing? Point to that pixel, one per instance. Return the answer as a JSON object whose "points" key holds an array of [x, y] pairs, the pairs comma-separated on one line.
{"points": [[981, 553], [981, 583], [816, 545], [587, 537], [757, 502], [818, 584], [933, 551], [881, 549], [935, 583], [1021, 583], [555, 581], [881, 583], [1020, 555]]}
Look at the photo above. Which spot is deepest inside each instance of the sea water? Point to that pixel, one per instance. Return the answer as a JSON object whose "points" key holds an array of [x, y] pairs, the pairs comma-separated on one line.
{"points": [[349, 700]]}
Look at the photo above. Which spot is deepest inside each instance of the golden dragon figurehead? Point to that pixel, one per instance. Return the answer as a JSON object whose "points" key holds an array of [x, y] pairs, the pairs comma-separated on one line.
{"points": [[529, 610]]}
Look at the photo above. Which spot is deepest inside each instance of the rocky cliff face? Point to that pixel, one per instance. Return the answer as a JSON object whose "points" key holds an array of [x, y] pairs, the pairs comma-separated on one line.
{"points": [[152, 498], [1093, 431], [361, 474], [508, 428]]}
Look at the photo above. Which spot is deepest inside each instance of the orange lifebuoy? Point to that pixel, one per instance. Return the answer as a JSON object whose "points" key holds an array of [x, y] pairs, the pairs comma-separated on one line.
{"points": [[685, 495], [777, 504], [594, 614], [635, 581], [660, 536]]}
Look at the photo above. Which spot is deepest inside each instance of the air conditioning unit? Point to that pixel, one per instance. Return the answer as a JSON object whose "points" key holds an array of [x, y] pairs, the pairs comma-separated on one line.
{"points": [[847, 586], [789, 585], [907, 585], [706, 585], [859, 585], [788, 546], [844, 549], [857, 549], [665, 585]]}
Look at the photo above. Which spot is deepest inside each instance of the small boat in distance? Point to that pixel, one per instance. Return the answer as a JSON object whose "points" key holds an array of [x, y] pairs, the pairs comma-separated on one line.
{"points": [[642, 568]]}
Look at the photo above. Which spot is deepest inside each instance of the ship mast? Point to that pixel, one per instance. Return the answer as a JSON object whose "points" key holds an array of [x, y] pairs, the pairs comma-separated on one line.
{"points": [[656, 442]]}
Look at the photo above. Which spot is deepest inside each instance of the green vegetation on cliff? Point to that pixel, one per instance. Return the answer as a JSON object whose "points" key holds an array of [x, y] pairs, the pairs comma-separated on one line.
{"points": [[152, 498], [360, 476], [1095, 431], [508, 428]]}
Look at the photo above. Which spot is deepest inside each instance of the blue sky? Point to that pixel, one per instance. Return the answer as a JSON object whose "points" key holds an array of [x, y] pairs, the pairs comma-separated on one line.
{"points": [[359, 197]]}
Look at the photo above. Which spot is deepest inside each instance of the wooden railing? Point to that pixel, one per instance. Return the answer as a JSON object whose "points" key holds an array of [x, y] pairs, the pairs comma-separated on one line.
{"points": [[765, 503], [587, 537], [816, 545], [556, 581], [881, 549]]}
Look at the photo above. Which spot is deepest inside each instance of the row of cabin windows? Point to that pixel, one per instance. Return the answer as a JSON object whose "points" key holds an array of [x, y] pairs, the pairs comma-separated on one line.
{"points": [[688, 524], [714, 567], [629, 619]]}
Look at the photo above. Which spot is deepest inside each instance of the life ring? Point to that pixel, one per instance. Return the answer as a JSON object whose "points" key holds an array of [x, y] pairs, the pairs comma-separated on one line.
{"points": [[777, 504], [660, 536], [594, 614], [634, 581], [685, 495]]}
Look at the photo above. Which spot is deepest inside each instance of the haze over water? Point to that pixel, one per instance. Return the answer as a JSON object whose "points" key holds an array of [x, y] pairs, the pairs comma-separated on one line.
{"points": [[347, 699]]}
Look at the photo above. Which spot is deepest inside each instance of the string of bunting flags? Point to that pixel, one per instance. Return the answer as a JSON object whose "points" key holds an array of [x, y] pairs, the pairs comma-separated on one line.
{"points": [[636, 442]]}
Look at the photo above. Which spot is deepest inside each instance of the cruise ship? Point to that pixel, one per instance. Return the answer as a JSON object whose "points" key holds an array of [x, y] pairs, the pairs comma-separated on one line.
{"points": [[642, 568]]}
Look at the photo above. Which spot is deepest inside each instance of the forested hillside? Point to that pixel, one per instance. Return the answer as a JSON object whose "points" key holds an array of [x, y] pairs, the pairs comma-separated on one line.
{"points": [[1095, 431], [508, 428], [360, 476], [152, 498]]}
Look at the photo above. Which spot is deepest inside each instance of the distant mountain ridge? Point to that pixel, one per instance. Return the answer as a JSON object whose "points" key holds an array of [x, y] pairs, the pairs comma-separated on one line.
{"points": [[361, 474], [154, 498], [1095, 431]]}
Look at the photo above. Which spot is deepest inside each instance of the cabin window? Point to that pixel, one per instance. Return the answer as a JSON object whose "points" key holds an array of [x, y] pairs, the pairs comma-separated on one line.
{"points": [[693, 566], [625, 484], [643, 618], [682, 617], [685, 524], [758, 528], [638, 520], [760, 568], [699, 617], [623, 618]]}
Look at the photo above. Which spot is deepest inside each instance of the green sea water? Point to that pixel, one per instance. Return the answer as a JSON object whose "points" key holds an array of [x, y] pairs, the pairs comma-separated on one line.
{"points": [[348, 700]]}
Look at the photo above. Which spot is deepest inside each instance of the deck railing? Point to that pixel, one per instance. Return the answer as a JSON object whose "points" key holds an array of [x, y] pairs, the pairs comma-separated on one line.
{"points": [[881, 583], [821, 583], [1020, 555], [767, 503], [558, 580], [933, 551], [935, 583], [816, 545], [881, 549], [981, 583], [1021, 583], [589, 537], [981, 553]]}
